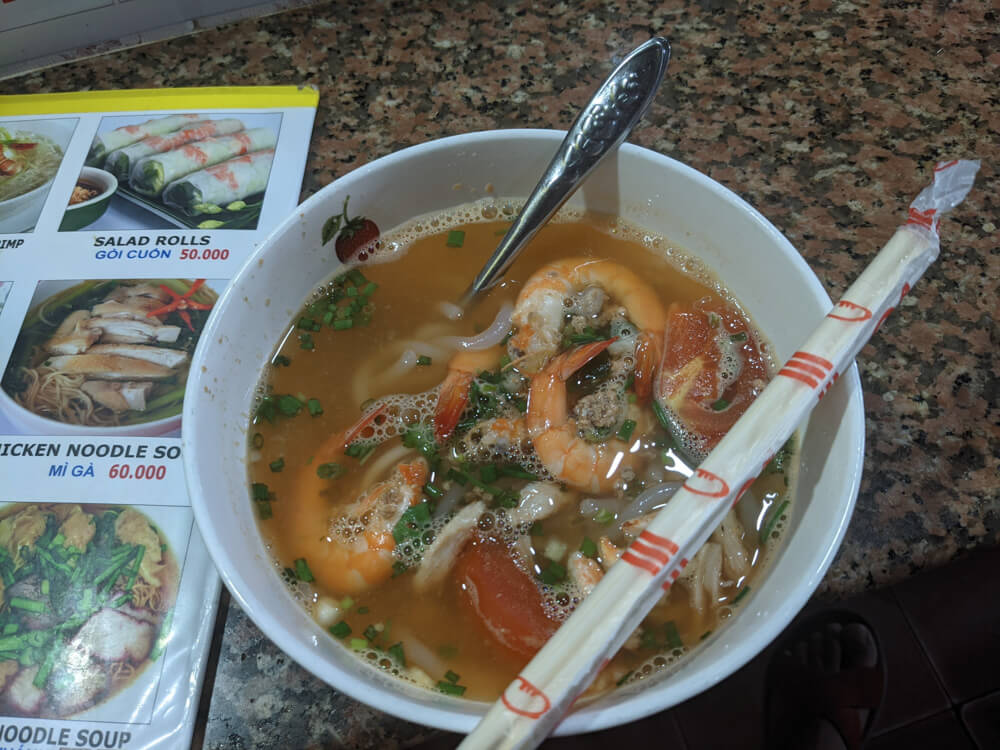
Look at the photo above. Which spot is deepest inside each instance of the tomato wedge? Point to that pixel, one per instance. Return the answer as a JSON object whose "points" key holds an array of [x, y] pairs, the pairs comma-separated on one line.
{"points": [[701, 342], [503, 598]]}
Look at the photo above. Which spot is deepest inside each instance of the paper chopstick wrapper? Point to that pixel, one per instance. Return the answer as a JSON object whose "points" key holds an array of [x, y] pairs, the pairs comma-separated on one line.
{"points": [[534, 703]]}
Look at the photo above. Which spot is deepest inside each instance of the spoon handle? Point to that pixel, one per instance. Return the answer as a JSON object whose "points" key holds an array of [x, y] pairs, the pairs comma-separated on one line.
{"points": [[604, 123]]}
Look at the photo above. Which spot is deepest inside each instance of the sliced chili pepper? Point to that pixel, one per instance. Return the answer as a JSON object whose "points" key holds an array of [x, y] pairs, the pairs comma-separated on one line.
{"points": [[181, 303]]}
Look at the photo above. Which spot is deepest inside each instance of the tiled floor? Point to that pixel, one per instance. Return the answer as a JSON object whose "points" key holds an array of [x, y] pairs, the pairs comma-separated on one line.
{"points": [[940, 638]]}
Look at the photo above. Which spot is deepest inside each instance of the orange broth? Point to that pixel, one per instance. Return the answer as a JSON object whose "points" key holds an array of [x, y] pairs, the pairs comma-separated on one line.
{"points": [[411, 287]]}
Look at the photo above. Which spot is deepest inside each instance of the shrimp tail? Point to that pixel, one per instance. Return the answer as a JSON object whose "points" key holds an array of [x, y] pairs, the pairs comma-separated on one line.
{"points": [[647, 360], [451, 403], [569, 362]]}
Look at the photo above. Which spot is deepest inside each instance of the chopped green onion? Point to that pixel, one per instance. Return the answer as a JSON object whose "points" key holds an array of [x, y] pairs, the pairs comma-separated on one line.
{"points": [[289, 405], [661, 416], [264, 511], [343, 325], [356, 277], [720, 405], [588, 548], [457, 476], [738, 337], [433, 491], [277, 465], [330, 471], [302, 571], [456, 238], [307, 323], [280, 360], [359, 644], [452, 677], [671, 635], [314, 406], [450, 689], [260, 491], [28, 605], [352, 291], [423, 360], [306, 342], [626, 430], [396, 652], [346, 603], [553, 574], [370, 633], [765, 533], [341, 630], [518, 472], [488, 473], [604, 516], [369, 289]]}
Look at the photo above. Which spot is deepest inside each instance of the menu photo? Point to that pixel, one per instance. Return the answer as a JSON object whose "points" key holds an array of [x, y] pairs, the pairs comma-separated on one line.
{"points": [[188, 171]]}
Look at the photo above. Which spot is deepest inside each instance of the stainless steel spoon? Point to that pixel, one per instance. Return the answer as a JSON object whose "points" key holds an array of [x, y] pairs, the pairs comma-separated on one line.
{"points": [[600, 128]]}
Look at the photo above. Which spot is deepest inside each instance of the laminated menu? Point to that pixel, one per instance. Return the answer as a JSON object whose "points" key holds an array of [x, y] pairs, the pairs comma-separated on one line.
{"points": [[122, 216]]}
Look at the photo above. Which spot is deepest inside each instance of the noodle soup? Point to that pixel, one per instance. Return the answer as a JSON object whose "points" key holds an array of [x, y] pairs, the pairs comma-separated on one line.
{"points": [[27, 161], [441, 491]]}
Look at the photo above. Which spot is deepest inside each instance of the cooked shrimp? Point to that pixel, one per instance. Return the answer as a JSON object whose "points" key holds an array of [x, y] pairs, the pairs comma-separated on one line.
{"points": [[567, 456], [351, 549], [584, 572], [541, 308], [9, 167], [454, 395]]}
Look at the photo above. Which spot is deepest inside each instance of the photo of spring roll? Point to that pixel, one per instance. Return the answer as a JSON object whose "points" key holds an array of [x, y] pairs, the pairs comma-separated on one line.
{"points": [[105, 143], [153, 173], [209, 191], [120, 162], [140, 158]]}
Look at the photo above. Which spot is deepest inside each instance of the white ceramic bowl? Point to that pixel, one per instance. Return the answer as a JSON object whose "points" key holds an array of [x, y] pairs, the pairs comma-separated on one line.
{"points": [[759, 266], [19, 214]]}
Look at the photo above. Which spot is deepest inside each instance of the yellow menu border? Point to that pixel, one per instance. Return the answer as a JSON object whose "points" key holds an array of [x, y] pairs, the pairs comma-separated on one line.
{"points": [[137, 100]]}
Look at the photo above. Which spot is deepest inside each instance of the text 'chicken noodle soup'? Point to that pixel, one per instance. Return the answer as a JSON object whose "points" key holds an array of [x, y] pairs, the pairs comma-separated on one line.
{"points": [[109, 353], [87, 590], [441, 489]]}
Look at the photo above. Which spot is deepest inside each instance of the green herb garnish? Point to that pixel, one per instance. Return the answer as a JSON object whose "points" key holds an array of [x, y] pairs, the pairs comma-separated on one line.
{"points": [[456, 238], [302, 571], [330, 470], [277, 465], [626, 430], [340, 630]]}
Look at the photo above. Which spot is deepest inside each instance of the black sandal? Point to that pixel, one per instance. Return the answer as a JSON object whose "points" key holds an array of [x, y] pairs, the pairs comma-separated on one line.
{"points": [[818, 672]]}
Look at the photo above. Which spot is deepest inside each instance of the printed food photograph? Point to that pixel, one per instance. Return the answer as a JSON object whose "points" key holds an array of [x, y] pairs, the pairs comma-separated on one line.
{"points": [[192, 171], [105, 356], [87, 593], [30, 154]]}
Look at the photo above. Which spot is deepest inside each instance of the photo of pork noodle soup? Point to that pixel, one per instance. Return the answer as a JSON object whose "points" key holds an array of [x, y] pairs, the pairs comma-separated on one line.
{"points": [[109, 353], [440, 490], [194, 170], [87, 591]]}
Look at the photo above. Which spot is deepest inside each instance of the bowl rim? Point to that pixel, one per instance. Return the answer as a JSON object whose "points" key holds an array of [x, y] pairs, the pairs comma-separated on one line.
{"points": [[585, 720], [108, 191]]}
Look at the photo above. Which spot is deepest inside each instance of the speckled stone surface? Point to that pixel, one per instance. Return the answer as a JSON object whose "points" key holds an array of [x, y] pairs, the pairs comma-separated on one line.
{"points": [[827, 115]]}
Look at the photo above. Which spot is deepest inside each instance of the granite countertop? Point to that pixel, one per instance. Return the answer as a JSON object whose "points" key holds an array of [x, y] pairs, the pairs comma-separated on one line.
{"points": [[827, 115]]}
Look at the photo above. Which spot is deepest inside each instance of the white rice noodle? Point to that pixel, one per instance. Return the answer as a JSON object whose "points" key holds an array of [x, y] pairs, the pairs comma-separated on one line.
{"points": [[449, 501], [589, 506], [381, 466], [450, 310], [701, 577], [650, 500], [492, 336], [729, 535], [417, 653]]}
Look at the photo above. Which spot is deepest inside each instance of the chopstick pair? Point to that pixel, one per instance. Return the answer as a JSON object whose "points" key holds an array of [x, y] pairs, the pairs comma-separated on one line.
{"points": [[534, 703]]}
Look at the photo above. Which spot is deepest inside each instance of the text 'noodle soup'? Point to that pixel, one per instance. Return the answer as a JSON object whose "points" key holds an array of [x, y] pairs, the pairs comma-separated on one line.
{"points": [[441, 489]]}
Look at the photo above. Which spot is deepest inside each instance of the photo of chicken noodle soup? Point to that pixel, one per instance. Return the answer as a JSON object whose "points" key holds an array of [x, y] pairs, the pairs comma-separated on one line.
{"points": [[87, 591], [108, 353], [441, 489]]}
